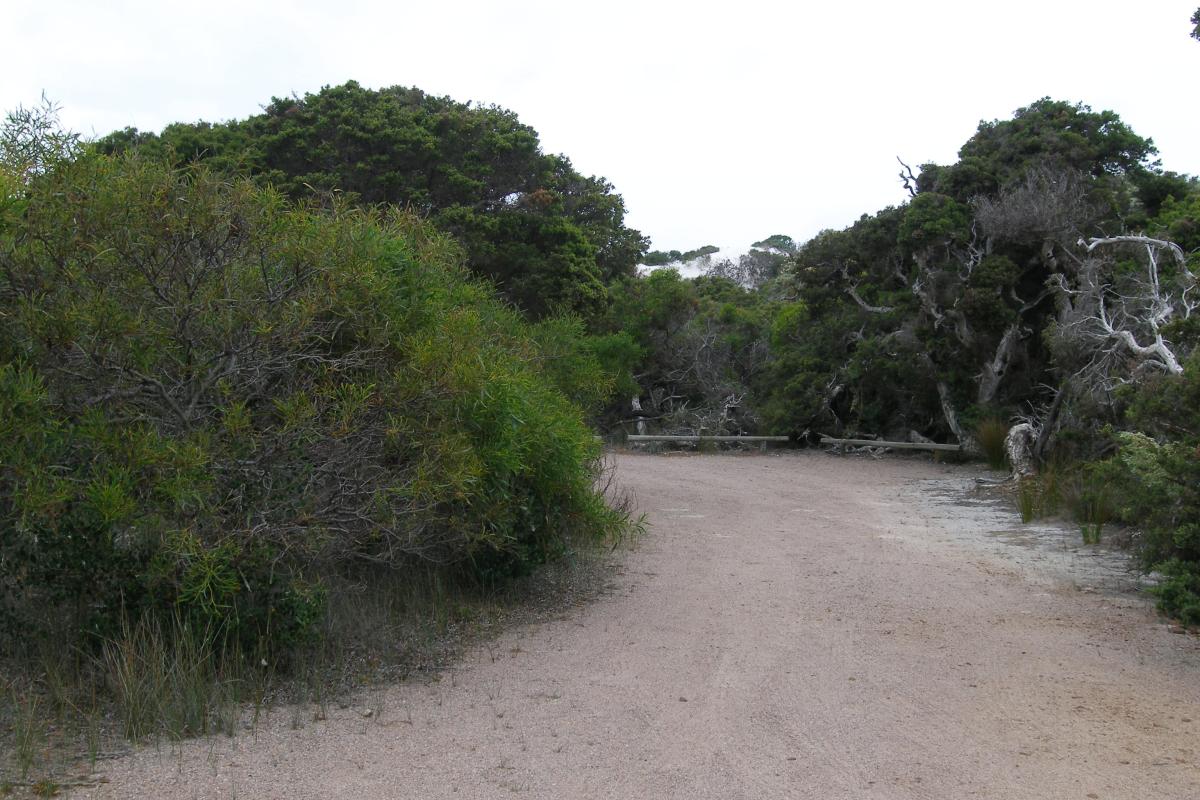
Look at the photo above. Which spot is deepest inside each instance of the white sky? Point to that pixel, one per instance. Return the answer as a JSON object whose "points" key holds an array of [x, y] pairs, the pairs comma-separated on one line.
{"points": [[719, 123]]}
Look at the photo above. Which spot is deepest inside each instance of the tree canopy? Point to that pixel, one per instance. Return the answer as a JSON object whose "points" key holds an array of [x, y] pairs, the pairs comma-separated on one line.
{"points": [[546, 235]]}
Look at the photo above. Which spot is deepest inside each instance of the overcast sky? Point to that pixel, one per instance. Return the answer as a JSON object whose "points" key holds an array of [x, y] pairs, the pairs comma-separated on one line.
{"points": [[719, 123]]}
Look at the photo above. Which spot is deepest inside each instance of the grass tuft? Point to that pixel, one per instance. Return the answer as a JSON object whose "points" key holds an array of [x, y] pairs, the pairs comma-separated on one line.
{"points": [[1091, 503], [167, 681], [1028, 499], [29, 732], [990, 433]]}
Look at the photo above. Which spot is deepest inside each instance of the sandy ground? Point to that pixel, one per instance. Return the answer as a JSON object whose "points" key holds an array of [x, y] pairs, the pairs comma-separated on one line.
{"points": [[797, 625]]}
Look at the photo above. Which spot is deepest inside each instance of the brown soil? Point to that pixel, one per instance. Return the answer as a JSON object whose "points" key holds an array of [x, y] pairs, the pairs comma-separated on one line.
{"points": [[799, 626]]}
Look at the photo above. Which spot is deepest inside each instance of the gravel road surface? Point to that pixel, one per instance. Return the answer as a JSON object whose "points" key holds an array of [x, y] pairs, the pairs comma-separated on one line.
{"points": [[798, 625]]}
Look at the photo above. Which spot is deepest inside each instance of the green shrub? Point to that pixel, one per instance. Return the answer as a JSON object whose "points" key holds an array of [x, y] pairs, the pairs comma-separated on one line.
{"points": [[1178, 593], [1157, 490], [1158, 486], [211, 400]]}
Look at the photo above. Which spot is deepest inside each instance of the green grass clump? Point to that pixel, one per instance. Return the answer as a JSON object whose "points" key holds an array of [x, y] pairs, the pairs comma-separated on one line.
{"points": [[1028, 499], [990, 433], [167, 680], [1089, 498]]}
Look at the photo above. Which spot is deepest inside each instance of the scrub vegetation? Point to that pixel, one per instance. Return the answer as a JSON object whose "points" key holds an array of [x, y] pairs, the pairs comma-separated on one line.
{"points": [[259, 375], [230, 421]]}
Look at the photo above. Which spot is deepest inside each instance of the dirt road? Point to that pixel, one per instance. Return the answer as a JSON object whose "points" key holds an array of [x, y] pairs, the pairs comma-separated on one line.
{"points": [[794, 626]]}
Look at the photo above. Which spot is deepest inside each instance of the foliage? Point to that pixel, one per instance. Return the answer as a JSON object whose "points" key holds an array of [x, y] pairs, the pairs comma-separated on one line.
{"points": [[170, 680], [1159, 490], [699, 346], [1162, 495], [1167, 407], [32, 142], [662, 258], [543, 264], [1088, 492], [1068, 136], [548, 236], [1178, 592], [1156, 487], [982, 298], [1029, 499], [213, 401]]}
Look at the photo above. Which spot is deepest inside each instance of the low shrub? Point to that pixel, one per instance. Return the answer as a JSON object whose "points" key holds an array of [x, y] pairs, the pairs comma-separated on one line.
{"points": [[1155, 487], [1178, 592]]}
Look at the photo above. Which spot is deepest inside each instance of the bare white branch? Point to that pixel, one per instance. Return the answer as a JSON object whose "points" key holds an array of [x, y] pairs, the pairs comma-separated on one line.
{"points": [[1113, 320]]}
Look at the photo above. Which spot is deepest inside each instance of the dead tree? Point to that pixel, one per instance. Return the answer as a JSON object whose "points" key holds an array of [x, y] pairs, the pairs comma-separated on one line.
{"points": [[1019, 446], [1046, 206], [1115, 318]]}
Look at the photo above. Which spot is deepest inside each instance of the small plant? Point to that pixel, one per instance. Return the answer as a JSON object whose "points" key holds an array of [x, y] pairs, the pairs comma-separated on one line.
{"points": [[1040, 495], [1179, 592], [93, 734], [1029, 499], [1089, 499], [45, 788], [166, 681], [990, 433], [29, 732], [1051, 479]]}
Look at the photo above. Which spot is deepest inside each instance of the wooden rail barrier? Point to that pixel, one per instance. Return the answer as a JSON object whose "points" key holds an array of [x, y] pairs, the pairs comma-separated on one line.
{"points": [[895, 445], [635, 438]]}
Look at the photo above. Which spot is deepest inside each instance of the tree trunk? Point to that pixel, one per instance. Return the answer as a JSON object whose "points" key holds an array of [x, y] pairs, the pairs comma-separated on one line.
{"points": [[969, 445], [994, 370], [1048, 424]]}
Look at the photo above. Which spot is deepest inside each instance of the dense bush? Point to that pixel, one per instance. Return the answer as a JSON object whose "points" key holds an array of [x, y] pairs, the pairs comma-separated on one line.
{"points": [[688, 349], [212, 400], [547, 236], [1158, 486]]}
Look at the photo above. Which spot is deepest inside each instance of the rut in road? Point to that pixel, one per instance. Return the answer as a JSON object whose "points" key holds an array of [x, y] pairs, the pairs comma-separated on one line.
{"points": [[796, 625]]}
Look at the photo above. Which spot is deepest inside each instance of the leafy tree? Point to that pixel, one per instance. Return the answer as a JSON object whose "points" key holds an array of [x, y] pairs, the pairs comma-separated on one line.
{"points": [[762, 263], [701, 342], [473, 170], [543, 264], [1052, 133], [950, 298], [778, 243], [662, 258]]}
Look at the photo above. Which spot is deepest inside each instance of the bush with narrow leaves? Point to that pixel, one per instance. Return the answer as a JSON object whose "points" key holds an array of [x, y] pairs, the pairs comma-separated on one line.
{"points": [[212, 399]]}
